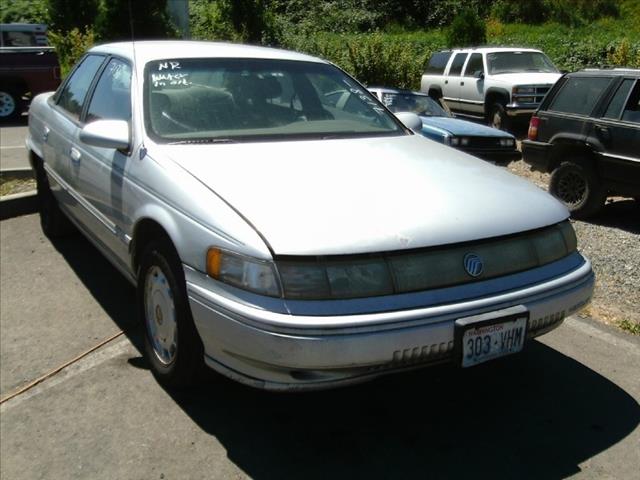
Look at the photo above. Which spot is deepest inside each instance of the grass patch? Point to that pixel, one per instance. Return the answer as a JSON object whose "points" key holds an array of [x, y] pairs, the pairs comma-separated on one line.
{"points": [[10, 185], [629, 326]]}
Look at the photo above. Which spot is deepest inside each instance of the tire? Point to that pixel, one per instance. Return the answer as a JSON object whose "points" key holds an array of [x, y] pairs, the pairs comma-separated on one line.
{"points": [[172, 345], [9, 105], [53, 221], [578, 187], [498, 117]]}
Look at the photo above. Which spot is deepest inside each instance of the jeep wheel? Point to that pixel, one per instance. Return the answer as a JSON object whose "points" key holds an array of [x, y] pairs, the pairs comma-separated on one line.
{"points": [[579, 188], [498, 117], [9, 105]]}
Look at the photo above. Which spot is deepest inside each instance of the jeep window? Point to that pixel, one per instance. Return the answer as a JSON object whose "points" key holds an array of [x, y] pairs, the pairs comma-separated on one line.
{"points": [[474, 66], [512, 62], [437, 63], [458, 62], [579, 95], [617, 102], [72, 95], [632, 110]]}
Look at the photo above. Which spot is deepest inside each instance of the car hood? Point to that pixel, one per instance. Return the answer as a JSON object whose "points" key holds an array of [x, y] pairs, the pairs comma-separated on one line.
{"points": [[349, 196], [527, 78], [457, 126]]}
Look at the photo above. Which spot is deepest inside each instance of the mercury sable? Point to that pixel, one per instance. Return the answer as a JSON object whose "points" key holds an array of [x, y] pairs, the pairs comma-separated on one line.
{"points": [[282, 240]]}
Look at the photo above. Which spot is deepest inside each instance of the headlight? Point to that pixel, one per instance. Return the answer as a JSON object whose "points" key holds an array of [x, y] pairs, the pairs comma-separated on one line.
{"points": [[453, 141], [506, 142], [348, 279], [464, 141], [251, 274], [524, 90]]}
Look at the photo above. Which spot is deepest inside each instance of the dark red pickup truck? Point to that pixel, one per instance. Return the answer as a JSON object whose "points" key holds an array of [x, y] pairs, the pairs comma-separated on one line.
{"points": [[27, 66]]}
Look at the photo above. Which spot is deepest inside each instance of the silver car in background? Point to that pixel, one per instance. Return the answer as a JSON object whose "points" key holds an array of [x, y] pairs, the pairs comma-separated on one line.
{"points": [[283, 239]]}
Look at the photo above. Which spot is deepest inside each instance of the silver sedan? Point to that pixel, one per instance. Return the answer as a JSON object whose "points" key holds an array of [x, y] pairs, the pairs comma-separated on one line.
{"points": [[284, 228]]}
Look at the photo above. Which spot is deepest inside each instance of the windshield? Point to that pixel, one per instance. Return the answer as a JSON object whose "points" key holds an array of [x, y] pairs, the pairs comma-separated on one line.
{"points": [[513, 62], [412, 102], [224, 100]]}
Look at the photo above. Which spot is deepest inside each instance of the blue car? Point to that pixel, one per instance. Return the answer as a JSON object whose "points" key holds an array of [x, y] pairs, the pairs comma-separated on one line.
{"points": [[440, 125]]}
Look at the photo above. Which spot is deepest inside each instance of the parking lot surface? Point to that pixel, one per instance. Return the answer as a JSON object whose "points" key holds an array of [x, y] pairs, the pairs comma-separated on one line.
{"points": [[13, 153], [568, 405]]}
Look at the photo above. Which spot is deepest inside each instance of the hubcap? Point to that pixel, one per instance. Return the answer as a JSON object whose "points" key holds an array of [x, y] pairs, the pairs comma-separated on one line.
{"points": [[497, 120], [7, 104], [160, 315], [572, 188]]}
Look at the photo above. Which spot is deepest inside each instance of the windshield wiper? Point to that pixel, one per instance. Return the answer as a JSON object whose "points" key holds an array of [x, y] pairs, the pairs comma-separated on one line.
{"points": [[198, 141]]}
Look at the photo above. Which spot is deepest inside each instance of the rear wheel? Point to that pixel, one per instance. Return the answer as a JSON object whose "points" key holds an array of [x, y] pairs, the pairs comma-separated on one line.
{"points": [[172, 345], [9, 105], [579, 188], [53, 221], [498, 117]]}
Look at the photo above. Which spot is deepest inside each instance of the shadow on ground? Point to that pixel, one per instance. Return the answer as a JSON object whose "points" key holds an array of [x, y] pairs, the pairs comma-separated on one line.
{"points": [[621, 214], [534, 415]]}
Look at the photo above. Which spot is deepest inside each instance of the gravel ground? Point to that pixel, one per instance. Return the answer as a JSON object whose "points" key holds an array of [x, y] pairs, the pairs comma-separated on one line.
{"points": [[611, 241]]}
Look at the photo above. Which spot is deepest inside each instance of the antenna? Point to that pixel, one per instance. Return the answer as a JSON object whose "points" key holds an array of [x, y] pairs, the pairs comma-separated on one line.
{"points": [[143, 150]]}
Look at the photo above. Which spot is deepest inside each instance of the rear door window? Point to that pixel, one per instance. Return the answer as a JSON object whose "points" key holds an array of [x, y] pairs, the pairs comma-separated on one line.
{"points": [[579, 95], [437, 63], [458, 62]]}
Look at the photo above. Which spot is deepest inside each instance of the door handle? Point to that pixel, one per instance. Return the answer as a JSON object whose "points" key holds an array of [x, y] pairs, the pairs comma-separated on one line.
{"points": [[461, 83], [74, 153], [45, 133], [603, 132], [446, 81]]}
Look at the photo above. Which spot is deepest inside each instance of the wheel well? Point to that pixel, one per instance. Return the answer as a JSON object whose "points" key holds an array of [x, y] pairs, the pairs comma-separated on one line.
{"points": [[15, 85], [494, 97], [145, 231], [566, 151], [435, 93]]}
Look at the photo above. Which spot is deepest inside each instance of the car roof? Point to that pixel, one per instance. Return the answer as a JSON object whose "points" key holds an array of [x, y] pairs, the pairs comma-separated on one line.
{"points": [[396, 90], [142, 52], [489, 49], [605, 72]]}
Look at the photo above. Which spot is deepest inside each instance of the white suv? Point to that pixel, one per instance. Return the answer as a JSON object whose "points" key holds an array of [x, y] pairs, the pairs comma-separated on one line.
{"points": [[497, 84]]}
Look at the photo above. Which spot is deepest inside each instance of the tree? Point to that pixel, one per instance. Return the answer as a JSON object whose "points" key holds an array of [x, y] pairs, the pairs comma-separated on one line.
{"points": [[24, 11], [65, 15], [466, 29], [134, 19]]}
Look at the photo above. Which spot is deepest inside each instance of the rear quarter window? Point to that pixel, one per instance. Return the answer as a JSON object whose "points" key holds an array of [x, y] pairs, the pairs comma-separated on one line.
{"points": [[437, 63], [579, 95]]}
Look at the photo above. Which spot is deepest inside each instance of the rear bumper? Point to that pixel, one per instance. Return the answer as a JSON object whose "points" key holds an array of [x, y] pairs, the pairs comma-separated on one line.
{"points": [[277, 351], [537, 154], [521, 109]]}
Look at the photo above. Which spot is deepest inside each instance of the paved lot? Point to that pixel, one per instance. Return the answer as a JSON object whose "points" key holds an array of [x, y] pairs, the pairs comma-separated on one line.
{"points": [[567, 406], [12, 151]]}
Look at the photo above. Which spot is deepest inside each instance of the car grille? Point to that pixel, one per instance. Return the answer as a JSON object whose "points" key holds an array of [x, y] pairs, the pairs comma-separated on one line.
{"points": [[484, 142]]}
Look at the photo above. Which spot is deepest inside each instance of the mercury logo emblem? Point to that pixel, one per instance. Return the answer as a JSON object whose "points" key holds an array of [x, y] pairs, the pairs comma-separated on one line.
{"points": [[473, 264]]}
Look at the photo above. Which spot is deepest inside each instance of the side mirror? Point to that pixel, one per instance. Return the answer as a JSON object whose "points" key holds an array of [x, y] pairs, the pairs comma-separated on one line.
{"points": [[479, 75], [107, 134], [410, 120]]}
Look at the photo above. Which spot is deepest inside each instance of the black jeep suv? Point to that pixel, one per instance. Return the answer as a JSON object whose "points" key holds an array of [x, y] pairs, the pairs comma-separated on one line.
{"points": [[587, 132]]}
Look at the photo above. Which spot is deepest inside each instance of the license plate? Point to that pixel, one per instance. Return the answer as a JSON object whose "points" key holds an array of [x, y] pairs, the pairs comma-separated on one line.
{"points": [[490, 336]]}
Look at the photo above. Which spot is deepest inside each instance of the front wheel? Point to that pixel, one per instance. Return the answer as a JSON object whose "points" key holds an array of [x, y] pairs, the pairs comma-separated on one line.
{"points": [[53, 221], [498, 117], [579, 188], [172, 345]]}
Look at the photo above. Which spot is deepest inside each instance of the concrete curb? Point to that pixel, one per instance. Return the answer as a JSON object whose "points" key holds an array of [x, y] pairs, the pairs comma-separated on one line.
{"points": [[18, 203]]}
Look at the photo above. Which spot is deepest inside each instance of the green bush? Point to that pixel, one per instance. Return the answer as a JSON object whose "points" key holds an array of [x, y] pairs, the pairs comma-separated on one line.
{"points": [[466, 29], [24, 11], [65, 15], [70, 46], [148, 19]]}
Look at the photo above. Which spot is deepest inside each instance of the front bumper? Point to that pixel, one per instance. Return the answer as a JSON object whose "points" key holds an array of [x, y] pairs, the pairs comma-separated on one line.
{"points": [[521, 109], [280, 351], [500, 156]]}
